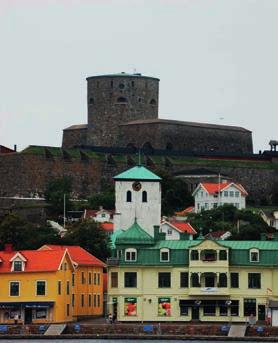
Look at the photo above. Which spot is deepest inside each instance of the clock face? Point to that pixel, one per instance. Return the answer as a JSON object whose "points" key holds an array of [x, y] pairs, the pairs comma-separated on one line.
{"points": [[136, 186]]}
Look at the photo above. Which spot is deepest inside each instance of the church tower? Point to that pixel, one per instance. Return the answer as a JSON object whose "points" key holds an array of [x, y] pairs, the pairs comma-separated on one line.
{"points": [[138, 196]]}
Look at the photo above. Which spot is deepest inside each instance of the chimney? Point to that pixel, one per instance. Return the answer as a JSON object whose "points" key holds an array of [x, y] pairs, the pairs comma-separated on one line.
{"points": [[8, 247]]}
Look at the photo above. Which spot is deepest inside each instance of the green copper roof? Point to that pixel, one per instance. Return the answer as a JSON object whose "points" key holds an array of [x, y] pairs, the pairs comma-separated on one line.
{"points": [[137, 173], [114, 237], [134, 235]]}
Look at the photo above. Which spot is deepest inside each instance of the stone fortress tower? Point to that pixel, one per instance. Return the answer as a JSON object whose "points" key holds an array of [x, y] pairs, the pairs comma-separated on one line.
{"points": [[117, 99], [123, 112]]}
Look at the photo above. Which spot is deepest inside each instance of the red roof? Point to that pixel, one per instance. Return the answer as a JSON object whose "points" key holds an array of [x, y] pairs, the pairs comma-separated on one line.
{"points": [[185, 211], [214, 188], [36, 260], [77, 254], [109, 227], [215, 234], [93, 213]]}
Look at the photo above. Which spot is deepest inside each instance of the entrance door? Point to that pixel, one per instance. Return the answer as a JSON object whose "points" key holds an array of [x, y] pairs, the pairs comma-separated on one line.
{"points": [[115, 311], [195, 313], [261, 312], [28, 316]]}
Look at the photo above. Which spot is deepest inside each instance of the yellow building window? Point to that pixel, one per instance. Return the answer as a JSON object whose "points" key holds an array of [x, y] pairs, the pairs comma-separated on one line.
{"points": [[59, 287]]}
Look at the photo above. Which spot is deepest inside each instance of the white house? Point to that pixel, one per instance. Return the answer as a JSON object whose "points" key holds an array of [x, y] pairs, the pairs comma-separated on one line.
{"points": [[211, 195], [99, 216], [173, 229], [270, 217]]}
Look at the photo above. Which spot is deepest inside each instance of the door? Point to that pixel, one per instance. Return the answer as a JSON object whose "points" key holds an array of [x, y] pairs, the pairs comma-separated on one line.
{"points": [[195, 313], [261, 312], [28, 316]]}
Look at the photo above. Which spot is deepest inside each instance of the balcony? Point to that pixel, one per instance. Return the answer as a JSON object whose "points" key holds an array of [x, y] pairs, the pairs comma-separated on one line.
{"points": [[113, 261]]}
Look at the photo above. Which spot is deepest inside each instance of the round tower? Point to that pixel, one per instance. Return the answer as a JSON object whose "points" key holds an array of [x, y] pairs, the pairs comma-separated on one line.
{"points": [[116, 99]]}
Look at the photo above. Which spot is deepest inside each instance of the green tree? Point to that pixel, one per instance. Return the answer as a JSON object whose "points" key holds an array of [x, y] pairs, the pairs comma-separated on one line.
{"points": [[90, 236], [25, 235], [56, 191], [106, 200]]}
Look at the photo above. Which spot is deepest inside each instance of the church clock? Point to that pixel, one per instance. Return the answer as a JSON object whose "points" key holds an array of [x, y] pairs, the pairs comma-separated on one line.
{"points": [[136, 186]]}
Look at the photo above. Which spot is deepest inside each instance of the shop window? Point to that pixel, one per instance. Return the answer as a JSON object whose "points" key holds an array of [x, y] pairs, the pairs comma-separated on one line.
{"points": [[195, 280], [41, 313], [249, 307], [254, 255], [130, 306], [223, 307], [41, 288], [144, 196], [164, 255], [254, 280], [194, 255], [114, 279], [209, 307], [128, 196], [184, 280], [234, 280], [164, 280], [222, 255], [130, 279], [131, 255], [183, 308], [14, 288], [222, 280]]}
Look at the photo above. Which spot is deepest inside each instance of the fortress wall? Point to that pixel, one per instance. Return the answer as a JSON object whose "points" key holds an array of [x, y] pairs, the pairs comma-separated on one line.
{"points": [[75, 137]]}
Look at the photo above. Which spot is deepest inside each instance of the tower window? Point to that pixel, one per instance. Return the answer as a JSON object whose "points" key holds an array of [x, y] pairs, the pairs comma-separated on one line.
{"points": [[121, 100], [132, 83], [111, 84], [153, 102], [91, 101], [128, 196], [121, 86], [144, 196]]}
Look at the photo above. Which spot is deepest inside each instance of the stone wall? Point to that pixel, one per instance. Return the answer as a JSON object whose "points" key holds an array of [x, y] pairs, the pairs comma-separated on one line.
{"points": [[74, 137]]}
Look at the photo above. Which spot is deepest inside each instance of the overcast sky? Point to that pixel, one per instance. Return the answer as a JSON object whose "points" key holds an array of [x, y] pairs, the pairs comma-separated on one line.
{"points": [[217, 61]]}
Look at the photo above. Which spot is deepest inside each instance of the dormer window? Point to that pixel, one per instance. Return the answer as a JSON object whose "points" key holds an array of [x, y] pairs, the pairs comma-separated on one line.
{"points": [[131, 255], [164, 255], [18, 266], [254, 255]]}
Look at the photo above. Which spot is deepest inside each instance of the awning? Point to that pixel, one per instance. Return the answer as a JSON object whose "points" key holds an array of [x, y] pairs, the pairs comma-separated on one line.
{"points": [[32, 304]]}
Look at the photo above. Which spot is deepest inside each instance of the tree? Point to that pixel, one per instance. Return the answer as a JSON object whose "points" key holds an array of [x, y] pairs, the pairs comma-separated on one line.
{"points": [[90, 236], [25, 235], [106, 200], [175, 194], [56, 191]]}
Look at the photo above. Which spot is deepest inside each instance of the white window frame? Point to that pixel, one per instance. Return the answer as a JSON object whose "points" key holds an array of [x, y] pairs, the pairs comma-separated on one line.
{"points": [[18, 288], [129, 252], [45, 287], [163, 250], [254, 250]]}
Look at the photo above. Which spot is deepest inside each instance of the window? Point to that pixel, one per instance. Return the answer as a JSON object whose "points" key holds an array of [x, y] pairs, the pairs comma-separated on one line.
{"points": [[132, 83], [226, 193], [222, 280], [91, 101], [40, 288], [209, 307], [210, 280], [111, 84], [121, 86], [82, 300], [144, 196], [232, 194], [254, 255], [14, 288], [41, 313], [164, 255], [183, 308], [89, 300], [83, 279], [68, 287], [95, 278], [131, 255], [169, 232], [72, 300], [237, 194], [18, 266], [222, 255], [184, 280], [249, 307], [195, 280], [98, 278], [128, 196], [98, 300], [68, 310], [209, 255], [65, 266], [234, 280], [103, 215], [234, 308], [90, 278], [153, 102], [254, 280], [194, 256], [72, 279], [164, 280], [223, 307], [59, 287], [130, 279], [95, 300], [114, 280], [121, 100]]}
